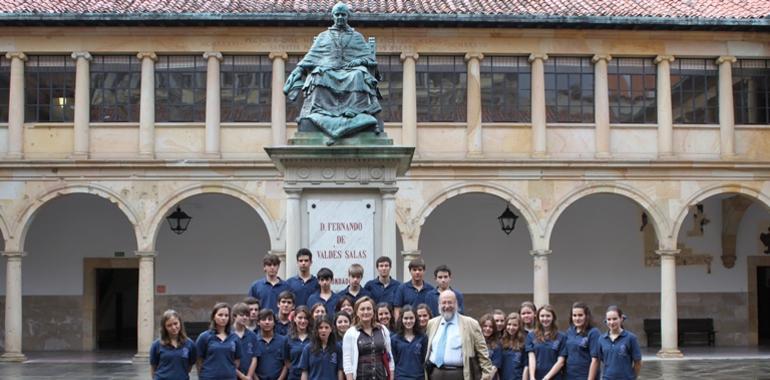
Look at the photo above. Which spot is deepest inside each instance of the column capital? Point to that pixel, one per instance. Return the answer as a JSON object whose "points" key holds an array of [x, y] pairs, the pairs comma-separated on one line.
{"points": [[81, 54], [664, 253], [661, 58], [278, 54], [147, 54], [213, 54], [146, 254], [726, 59], [16, 54], [388, 191], [540, 253], [411, 254], [536, 56], [409, 54], [293, 192], [14, 254], [601, 57], [474, 55], [277, 252]]}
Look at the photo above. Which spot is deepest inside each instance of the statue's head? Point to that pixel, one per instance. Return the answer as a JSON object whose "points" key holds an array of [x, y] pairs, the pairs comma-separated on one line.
{"points": [[340, 14]]}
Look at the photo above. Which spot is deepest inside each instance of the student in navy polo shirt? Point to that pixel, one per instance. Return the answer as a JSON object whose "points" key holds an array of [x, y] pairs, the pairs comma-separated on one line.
{"points": [[443, 276], [582, 345], [383, 287], [354, 289], [385, 316], [317, 310], [499, 317], [248, 341], [322, 359], [285, 308], [173, 355], [412, 292], [527, 312], [271, 349], [344, 303], [514, 358], [219, 354], [409, 346], [324, 295], [253, 305], [492, 338], [546, 346], [267, 289], [342, 322], [423, 315], [304, 283], [619, 349], [299, 337]]}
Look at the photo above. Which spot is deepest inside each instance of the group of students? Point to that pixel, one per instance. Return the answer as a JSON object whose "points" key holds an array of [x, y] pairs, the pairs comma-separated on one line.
{"points": [[305, 331]]}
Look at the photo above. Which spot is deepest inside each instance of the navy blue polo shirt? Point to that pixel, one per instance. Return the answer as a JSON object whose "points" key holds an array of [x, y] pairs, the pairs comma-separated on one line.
{"points": [[619, 356], [514, 362], [380, 292], [407, 294], [248, 344], [281, 328], [409, 357], [293, 353], [431, 299], [321, 365], [361, 293], [270, 357], [328, 304], [172, 363], [267, 293], [302, 289], [546, 353], [580, 350], [496, 355], [218, 355]]}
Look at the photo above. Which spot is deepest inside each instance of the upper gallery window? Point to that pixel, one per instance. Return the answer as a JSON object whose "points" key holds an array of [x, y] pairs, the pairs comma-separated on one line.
{"points": [[694, 91], [441, 88], [180, 88], [505, 89], [115, 88], [49, 88], [569, 90], [631, 83], [751, 91], [246, 88]]}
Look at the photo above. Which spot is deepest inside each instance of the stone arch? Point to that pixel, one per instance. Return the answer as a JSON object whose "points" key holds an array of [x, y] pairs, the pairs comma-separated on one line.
{"points": [[659, 221], [4, 230], [708, 192], [154, 226], [501, 192], [27, 216]]}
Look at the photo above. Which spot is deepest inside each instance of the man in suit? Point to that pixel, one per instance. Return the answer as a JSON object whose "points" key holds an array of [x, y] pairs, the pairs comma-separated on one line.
{"points": [[456, 347]]}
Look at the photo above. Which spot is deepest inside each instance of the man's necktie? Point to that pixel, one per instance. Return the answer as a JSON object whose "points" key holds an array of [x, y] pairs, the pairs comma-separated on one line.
{"points": [[441, 347]]}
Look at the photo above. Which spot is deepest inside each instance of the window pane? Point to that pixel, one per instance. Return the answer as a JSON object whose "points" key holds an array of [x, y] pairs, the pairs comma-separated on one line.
{"points": [[392, 75], [569, 94], [631, 84], [292, 108], [505, 83], [441, 88], [5, 85], [49, 89], [114, 92], [180, 89], [694, 85], [751, 91]]}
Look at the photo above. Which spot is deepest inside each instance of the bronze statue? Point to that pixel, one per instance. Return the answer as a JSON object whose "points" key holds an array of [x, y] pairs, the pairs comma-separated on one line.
{"points": [[338, 78]]}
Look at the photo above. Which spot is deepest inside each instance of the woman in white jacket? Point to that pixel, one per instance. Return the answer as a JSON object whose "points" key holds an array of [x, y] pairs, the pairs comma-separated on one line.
{"points": [[366, 350]]}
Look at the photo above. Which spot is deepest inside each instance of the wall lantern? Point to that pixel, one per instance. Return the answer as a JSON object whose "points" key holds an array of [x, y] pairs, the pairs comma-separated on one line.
{"points": [[507, 220], [179, 220]]}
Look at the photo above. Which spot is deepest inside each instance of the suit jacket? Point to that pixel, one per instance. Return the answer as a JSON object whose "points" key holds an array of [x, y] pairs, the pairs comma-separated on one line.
{"points": [[473, 343]]}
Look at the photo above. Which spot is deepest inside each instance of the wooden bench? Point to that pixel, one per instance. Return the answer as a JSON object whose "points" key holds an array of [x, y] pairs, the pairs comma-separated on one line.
{"points": [[690, 330], [193, 329]]}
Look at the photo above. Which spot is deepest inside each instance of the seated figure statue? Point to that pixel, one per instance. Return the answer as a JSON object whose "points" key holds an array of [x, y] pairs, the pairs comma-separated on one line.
{"points": [[336, 78]]}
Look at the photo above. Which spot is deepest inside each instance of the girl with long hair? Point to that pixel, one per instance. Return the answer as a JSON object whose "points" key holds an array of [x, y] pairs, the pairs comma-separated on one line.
{"points": [[423, 315], [527, 312], [619, 349], [385, 315], [322, 358], [582, 345], [342, 322], [546, 347], [514, 357], [492, 338], [317, 310], [219, 354], [299, 337], [173, 355], [410, 345]]}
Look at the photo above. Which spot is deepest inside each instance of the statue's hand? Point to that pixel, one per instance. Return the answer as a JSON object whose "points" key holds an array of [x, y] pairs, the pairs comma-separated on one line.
{"points": [[296, 75], [353, 63]]}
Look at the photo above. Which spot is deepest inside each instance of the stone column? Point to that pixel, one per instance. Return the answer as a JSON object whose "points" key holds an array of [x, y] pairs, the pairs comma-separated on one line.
{"points": [[213, 58], [293, 228], [16, 106], [540, 267], [665, 119], [602, 105], [473, 134], [278, 99], [146, 305], [389, 222], [539, 147], [726, 111], [408, 256], [147, 105], [668, 314], [409, 102], [13, 305], [82, 104]]}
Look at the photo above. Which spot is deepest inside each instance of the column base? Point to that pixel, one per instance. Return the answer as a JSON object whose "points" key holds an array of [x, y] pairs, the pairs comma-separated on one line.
{"points": [[539, 155], [473, 155], [12, 357], [666, 156], [670, 354], [212, 155], [729, 157], [78, 156], [603, 155], [14, 156], [147, 156], [141, 358]]}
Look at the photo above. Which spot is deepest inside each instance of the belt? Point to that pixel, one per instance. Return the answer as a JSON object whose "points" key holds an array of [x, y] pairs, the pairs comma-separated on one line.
{"points": [[450, 368]]}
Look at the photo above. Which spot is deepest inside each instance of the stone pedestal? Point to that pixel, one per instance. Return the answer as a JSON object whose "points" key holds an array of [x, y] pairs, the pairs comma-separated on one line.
{"points": [[340, 199]]}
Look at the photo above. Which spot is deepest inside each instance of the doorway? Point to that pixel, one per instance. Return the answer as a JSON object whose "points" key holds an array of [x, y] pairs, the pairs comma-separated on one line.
{"points": [[763, 305], [116, 308]]}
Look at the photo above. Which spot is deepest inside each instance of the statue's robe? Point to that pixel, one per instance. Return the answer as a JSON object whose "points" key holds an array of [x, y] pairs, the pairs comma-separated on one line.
{"points": [[340, 101]]}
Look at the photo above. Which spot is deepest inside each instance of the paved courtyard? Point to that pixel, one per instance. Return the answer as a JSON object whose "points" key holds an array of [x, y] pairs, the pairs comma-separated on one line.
{"points": [[700, 365]]}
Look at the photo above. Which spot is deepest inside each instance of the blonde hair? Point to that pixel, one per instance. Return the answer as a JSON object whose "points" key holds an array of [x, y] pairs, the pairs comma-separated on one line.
{"points": [[357, 320], [165, 339]]}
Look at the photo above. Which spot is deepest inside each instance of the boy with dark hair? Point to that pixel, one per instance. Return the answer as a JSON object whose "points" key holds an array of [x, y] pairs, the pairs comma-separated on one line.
{"points": [[271, 349], [304, 283], [383, 287], [354, 289], [412, 292], [443, 276], [285, 308], [325, 295], [267, 289], [247, 339], [253, 305]]}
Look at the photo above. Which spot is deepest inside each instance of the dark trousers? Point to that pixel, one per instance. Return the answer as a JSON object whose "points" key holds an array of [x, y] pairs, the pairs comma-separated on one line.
{"points": [[447, 374]]}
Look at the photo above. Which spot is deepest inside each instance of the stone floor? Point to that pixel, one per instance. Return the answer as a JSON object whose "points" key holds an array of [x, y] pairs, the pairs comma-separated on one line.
{"points": [[701, 364]]}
